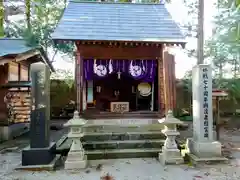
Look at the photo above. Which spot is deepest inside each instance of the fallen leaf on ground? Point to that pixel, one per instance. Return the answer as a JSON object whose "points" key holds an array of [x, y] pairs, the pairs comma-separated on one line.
{"points": [[200, 177], [99, 167], [87, 171], [107, 177], [206, 173]]}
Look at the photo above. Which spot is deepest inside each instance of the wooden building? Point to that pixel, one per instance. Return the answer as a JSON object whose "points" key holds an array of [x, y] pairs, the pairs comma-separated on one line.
{"points": [[123, 62], [15, 60]]}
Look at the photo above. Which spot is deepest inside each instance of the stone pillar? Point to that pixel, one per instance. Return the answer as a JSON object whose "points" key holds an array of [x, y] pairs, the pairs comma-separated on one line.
{"points": [[170, 152], [40, 147], [76, 158], [202, 145]]}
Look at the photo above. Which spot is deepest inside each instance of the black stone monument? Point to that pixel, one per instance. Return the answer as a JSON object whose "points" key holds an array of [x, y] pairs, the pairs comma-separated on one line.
{"points": [[40, 151]]}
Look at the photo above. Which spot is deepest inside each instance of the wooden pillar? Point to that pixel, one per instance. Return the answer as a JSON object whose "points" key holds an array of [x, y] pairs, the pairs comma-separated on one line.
{"points": [[169, 80], [161, 99], [79, 82]]}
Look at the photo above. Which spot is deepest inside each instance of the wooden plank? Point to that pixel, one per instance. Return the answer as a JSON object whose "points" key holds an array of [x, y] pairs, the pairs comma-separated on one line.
{"points": [[169, 80], [161, 99], [119, 52], [27, 55]]}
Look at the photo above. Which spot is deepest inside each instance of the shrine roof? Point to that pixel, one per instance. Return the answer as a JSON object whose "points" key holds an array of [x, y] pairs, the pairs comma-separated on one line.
{"points": [[98, 21], [16, 47], [13, 46]]}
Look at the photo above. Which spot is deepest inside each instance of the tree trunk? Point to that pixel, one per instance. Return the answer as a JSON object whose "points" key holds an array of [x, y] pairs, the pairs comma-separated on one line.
{"points": [[220, 70], [28, 13], [1, 19]]}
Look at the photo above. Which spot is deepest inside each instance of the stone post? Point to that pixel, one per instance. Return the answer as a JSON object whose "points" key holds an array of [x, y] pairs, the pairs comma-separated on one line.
{"points": [[170, 152], [202, 145], [41, 151], [76, 158]]}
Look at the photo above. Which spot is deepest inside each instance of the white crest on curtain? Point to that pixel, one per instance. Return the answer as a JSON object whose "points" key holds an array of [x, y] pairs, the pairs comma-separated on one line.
{"points": [[95, 66], [135, 70], [143, 67], [110, 66], [100, 70]]}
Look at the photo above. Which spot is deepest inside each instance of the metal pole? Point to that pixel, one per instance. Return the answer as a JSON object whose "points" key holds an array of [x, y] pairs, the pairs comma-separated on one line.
{"points": [[200, 37]]}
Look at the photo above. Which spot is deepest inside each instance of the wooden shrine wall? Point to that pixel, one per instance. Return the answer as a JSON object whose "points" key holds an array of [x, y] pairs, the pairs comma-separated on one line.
{"points": [[119, 52], [3, 92], [166, 67]]}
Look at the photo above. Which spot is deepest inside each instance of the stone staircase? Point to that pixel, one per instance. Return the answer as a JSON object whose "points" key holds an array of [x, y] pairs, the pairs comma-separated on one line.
{"points": [[109, 141], [93, 114]]}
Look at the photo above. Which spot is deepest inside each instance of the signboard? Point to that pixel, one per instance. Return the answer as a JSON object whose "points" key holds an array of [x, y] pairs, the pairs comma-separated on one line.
{"points": [[119, 107], [202, 103], [205, 101]]}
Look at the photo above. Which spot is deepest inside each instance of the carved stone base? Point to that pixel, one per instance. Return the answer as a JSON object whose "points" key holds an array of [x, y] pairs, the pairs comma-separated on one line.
{"points": [[38, 156], [204, 149], [76, 161], [201, 152], [170, 156]]}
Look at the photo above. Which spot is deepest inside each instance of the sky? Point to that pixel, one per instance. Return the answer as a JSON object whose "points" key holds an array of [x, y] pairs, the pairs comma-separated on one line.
{"points": [[183, 62]]}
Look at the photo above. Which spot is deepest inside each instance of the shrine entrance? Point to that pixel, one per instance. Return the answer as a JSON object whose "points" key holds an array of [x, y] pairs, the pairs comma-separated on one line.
{"points": [[122, 86]]}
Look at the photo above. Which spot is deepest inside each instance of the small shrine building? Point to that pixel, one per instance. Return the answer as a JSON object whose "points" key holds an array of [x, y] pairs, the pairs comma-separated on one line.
{"points": [[15, 84], [123, 63]]}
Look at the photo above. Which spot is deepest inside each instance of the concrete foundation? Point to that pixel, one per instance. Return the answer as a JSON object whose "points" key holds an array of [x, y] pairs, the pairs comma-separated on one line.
{"points": [[170, 156], [75, 162], [12, 131], [205, 151], [38, 156]]}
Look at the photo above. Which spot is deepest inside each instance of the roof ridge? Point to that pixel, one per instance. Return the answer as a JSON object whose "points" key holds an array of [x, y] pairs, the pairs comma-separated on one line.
{"points": [[105, 2]]}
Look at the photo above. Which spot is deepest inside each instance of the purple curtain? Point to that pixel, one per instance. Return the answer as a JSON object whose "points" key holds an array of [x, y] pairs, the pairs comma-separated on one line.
{"points": [[144, 70]]}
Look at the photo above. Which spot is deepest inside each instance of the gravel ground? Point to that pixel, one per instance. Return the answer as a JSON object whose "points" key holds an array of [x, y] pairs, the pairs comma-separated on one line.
{"points": [[123, 169], [131, 169]]}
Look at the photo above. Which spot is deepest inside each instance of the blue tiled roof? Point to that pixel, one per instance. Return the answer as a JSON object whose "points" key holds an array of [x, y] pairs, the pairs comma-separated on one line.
{"points": [[117, 22], [9, 46], [13, 46]]}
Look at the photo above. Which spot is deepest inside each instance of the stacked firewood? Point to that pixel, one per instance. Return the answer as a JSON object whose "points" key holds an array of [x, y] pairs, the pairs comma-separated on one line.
{"points": [[19, 106]]}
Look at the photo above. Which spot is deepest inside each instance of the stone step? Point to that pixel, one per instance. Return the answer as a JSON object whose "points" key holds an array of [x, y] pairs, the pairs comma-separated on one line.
{"points": [[122, 125], [126, 144], [93, 114], [121, 136], [122, 153], [115, 140]]}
